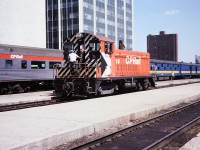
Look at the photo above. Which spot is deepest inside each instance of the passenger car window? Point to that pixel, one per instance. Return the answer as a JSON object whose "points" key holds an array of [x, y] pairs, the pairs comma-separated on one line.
{"points": [[38, 65], [9, 63], [24, 64], [52, 64]]}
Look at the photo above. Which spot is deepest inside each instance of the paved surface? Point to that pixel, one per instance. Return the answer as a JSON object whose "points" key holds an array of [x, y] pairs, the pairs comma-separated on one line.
{"points": [[46, 95], [193, 144], [49, 126], [176, 82], [25, 97]]}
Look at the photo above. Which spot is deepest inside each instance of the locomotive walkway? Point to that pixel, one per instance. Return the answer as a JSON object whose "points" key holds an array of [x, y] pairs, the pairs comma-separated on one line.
{"points": [[49, 126]]}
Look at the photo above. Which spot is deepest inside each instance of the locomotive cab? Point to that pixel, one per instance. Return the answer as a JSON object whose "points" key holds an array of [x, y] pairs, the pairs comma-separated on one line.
{"points": [[94, 63], [93, 54]]}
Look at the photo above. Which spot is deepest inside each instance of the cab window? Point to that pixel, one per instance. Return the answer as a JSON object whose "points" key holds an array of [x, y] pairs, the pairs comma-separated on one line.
{"points": [[108, 48], [94, 46]]}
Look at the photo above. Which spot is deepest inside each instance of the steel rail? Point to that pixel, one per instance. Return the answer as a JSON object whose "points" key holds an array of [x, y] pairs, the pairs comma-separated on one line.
{"points": [[168, 138], [132, 128], [26, 105]]}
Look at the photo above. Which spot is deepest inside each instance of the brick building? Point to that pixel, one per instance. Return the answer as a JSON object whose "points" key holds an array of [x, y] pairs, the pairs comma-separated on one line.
{"points": [[163, 46]]}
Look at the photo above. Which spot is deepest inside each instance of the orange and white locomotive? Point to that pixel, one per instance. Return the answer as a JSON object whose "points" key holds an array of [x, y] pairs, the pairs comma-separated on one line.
{"points": [[101, 68]]}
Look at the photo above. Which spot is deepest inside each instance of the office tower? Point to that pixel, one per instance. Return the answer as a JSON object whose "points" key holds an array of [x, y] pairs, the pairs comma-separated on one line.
{"points": [[110, 18], [163, 46]]}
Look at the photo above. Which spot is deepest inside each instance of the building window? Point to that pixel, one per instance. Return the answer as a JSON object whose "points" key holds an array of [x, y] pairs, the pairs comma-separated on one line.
{"points": [[24, 64], [9, 63], [37, 64]]}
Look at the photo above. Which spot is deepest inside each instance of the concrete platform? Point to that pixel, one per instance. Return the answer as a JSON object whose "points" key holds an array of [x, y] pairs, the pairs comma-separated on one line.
{"points": [[176, 82], [25, 98], [47, 95], [193, 144], [49, 126]]}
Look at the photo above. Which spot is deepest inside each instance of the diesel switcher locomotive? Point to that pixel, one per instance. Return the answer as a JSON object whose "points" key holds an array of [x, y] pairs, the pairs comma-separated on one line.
{"points": [[100, 68]]}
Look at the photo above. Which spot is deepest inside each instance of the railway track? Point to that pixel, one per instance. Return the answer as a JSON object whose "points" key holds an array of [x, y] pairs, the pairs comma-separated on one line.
{"points": [[168, 138], [153, 133], [53, 101], [27, 105], [51, 88], [57, 100]]}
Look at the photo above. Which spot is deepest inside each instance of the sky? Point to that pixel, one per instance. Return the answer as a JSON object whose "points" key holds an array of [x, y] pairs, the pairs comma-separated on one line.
{"points": [[181, 17]]}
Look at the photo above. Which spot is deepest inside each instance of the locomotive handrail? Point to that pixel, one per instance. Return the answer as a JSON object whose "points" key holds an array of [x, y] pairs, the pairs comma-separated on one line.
{"points": [[55, 66], [76, 67]]}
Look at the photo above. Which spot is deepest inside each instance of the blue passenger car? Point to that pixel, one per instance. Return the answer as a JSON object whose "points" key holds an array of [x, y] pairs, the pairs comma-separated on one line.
{"points": [[165, 70]]}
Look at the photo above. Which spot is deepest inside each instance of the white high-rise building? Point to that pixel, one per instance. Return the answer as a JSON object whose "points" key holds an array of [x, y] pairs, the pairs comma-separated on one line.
{"points": [[22, 22], [110, 18]]}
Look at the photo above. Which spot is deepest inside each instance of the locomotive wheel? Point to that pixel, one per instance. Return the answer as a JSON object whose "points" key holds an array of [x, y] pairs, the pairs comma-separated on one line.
{"points": [[139, 86], [17, 88], [116, 90], [100, 91], [27, 89], [145, 84], [4, 91], [149, 86]]}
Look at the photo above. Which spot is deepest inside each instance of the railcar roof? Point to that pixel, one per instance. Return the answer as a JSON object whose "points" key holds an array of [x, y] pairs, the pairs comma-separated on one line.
{"points": [[26, 47], [164, 61], [14, 49], [102, 38], [172, 62], [99, 37]]}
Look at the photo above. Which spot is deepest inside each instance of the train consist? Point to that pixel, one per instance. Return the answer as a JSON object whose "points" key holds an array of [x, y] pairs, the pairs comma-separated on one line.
{"points": [[101, 69], [24, 68], [165, 70]]}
